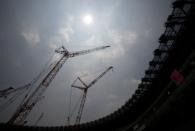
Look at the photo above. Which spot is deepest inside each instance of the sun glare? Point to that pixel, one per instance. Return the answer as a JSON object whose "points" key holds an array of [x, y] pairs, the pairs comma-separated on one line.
{"points": [[87, 19]]}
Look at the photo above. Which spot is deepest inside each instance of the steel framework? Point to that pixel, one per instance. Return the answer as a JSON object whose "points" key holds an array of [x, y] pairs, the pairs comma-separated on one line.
{"points": [[26, 106]]}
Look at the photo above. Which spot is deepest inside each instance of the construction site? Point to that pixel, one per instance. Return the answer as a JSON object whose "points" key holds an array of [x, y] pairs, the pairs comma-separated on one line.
{"points": [[102, 93]]}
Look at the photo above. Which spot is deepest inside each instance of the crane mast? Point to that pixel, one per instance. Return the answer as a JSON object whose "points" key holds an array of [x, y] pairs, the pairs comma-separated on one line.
{"points": [[81, 107], [25, 107], [85, 88]]}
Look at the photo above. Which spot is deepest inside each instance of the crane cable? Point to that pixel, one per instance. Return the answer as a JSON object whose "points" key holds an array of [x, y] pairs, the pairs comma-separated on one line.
{"points": [[83, 75], [11, 100], [74, 109], [48, 66], [75, 106]]}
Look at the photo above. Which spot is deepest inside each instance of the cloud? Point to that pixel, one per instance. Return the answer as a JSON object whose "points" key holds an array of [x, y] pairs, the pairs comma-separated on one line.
{"points": [[111, 106], [120, 42], [31, 36], [135, 82], [54, 42], [112, 97], [123, 38], [62, 36], [65, 33], [94, 40], [114, 102], [148, 32], [110, 12]]}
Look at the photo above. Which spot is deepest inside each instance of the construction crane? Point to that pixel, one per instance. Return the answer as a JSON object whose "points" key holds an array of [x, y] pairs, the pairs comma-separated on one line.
{"points": [[85, 88], [26, 106], [4, 93]]}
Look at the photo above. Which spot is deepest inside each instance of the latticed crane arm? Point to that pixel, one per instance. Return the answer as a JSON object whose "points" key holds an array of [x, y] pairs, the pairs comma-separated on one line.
{"points": [[73, 54], [100, 76]]}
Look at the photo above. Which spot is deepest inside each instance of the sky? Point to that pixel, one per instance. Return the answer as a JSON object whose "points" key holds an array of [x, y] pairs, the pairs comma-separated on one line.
{"points": [[31, 30]]}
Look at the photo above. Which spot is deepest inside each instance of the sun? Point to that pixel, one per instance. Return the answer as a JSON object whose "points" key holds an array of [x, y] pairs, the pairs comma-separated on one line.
{"points": [[87, 19]]}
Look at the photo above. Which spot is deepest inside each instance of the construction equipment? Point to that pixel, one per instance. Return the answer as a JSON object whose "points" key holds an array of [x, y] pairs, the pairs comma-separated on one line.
{"points": [[85, 88], [26, 106]]}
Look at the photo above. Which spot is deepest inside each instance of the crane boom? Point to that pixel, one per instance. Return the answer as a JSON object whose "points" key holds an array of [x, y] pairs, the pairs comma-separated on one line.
{"points": [[25, 107], [73, 54], [100, 76], [85, 89]]}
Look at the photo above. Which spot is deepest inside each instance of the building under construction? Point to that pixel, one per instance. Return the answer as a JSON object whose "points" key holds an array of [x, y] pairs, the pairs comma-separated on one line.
{"points": [[163, 101]]}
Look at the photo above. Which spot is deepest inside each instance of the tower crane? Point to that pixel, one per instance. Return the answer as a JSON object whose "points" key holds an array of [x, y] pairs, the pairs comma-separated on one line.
{"points": [[85, 88], [26, 106]]}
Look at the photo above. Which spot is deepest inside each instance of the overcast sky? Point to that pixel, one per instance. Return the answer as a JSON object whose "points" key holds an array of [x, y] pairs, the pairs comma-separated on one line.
{"points": [[30, 31]]}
